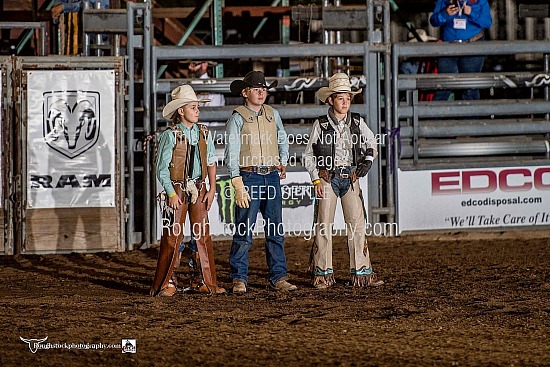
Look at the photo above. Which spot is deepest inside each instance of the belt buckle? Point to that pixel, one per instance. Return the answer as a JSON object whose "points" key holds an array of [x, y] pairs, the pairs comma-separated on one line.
{"points": [[343, 175], [262, 170]]}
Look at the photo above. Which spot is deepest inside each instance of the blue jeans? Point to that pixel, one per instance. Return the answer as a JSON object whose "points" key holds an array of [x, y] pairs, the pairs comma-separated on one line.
{"points": [[265, 194], [459, 64], [341, 185], [192, 244]]}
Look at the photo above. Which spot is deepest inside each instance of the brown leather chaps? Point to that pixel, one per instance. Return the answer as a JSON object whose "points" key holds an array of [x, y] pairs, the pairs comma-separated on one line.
{"points": [[168, 258]]}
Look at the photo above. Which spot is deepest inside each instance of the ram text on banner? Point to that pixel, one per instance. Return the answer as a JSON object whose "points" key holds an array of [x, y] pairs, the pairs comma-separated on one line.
{"points": [[71, 138], [467, 198]]}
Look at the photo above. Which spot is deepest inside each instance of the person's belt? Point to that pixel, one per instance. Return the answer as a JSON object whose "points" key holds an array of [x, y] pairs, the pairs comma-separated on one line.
{"points": [[343, 172], [261, 170], [473, 39]]}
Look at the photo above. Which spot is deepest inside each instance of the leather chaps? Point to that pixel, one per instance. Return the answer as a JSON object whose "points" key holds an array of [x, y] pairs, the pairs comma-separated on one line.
{"points": [[168, 258]]}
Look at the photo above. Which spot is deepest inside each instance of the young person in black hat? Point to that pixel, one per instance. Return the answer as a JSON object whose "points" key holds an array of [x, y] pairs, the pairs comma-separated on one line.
{"points": [[256, 154]]}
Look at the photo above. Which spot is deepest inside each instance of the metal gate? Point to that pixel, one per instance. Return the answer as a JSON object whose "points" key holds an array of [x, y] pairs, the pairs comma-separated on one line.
{"points": [[482, 164], [6, 238], [68, 171]]}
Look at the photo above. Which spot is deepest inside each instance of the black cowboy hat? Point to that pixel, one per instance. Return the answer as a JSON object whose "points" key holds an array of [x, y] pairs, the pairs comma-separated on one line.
{"points": [[254, 79]]}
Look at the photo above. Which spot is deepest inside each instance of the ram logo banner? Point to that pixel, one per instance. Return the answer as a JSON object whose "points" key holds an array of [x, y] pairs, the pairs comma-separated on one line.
{"points": [[71, 121], [71, 139]]}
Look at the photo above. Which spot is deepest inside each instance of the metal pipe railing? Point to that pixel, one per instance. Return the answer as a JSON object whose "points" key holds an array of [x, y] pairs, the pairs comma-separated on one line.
{"points": [[263, 51], [458, 128], [504, 107], [30, 27], [436, 49], [509, 80], [450, 118], [453, 149], [149, 124]]}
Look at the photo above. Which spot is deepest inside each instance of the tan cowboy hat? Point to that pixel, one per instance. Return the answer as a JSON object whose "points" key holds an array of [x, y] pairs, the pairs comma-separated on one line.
{"points": [[181, 96], [338, 83], [254, 79]]}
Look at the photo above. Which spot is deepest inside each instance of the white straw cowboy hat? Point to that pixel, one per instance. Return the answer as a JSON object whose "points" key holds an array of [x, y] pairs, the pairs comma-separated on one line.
{"points": [[338, 83], [181, 96], [423, 36]]}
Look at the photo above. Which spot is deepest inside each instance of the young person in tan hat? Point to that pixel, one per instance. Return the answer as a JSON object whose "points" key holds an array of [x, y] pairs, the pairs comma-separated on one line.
{"points": [[256, 154], [341, 148], [186, 156]]}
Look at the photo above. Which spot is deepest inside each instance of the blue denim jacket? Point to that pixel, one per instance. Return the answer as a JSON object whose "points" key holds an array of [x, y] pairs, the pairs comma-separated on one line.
{"points": [[479, 19]]}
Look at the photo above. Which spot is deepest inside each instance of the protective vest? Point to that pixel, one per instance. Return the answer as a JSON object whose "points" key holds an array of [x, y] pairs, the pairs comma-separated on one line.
{"points": [[323, 148], [183, 154], [259, 139]]}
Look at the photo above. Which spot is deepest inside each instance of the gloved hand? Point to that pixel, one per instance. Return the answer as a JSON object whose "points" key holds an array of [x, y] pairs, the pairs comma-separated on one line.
{"points": [[191, 189], [363, 166], [242, 199]]}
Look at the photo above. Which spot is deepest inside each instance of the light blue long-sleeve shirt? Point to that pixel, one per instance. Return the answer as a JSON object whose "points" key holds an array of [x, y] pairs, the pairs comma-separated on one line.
{"points": [[166, 146], [480, 18], [233, 142]]}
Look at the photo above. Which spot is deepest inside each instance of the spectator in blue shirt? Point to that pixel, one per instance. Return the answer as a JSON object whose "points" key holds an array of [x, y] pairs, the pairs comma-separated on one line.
{"points": [[461, 21]]}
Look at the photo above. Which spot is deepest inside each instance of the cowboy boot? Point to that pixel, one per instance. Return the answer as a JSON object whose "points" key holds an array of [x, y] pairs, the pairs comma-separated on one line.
{"points": [[197, 282]]}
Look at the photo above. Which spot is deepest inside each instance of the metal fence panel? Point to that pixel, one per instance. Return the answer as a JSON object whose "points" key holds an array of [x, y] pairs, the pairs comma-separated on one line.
{"points": [[6, 208], [480, 164], [161, 88]]}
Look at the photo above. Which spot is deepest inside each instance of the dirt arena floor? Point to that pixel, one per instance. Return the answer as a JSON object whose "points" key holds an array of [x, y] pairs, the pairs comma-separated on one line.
{"points": [[449, 300]]}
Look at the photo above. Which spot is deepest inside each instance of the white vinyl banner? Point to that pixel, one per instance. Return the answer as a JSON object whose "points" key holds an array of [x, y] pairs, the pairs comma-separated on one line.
{"points": [[71, 139], [455, 199], [298, 207]]}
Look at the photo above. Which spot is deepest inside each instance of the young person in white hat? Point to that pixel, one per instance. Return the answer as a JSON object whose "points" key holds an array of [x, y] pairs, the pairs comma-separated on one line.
{"points": [[341, 148], [186, 156], [256, 155]]}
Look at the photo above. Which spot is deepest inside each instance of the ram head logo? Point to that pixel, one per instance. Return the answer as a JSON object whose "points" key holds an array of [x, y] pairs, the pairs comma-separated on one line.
{"points": [[71, 121]]}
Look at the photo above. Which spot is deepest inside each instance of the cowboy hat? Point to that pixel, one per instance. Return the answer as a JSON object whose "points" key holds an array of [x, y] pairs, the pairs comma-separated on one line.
{"points": [[338, 83], [423, 36], [181, 96], [254, 79]]}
